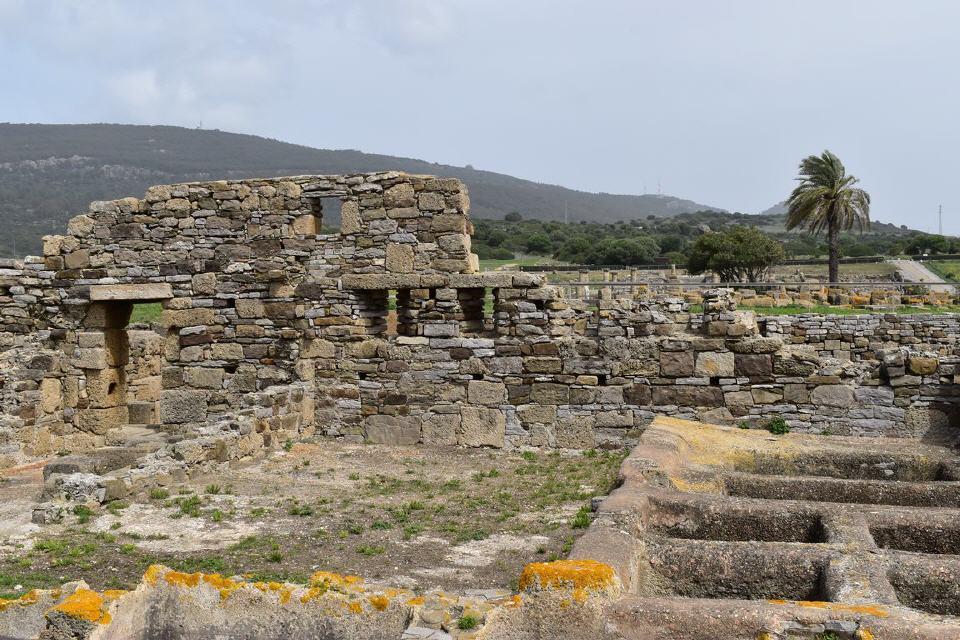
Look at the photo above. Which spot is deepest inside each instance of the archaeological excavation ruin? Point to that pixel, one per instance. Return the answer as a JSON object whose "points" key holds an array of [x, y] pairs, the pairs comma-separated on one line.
{"points": [[277, 327]]}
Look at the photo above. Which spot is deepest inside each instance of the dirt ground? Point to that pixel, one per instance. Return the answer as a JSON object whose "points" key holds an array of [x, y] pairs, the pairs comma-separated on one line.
{"points": [[416, 517]]}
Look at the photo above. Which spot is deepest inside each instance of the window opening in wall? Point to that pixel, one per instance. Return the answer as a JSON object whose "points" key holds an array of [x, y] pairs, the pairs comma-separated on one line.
{"points": [[326, 211], [406, 312], [489, 302], [602, 379], [146, 313]]}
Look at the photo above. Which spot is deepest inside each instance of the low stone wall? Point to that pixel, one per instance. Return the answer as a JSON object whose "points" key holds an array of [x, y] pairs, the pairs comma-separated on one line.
{"points": [[387, 325]]}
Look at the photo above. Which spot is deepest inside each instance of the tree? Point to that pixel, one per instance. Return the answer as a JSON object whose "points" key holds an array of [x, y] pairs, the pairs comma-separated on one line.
{"points": [[626, 251], [539, 243], [741, 254], [513, 216], [828, 200]]}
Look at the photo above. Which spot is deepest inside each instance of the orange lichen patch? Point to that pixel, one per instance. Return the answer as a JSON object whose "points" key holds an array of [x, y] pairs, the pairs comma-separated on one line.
{"points": [[152, 574], [30, 597], [379, 602], [84, 604], [112, 594], [355, 607], [225, 586], [582, 576], [864, 634], [866, 609], [333, 580], [179, 579], [415, 602]]}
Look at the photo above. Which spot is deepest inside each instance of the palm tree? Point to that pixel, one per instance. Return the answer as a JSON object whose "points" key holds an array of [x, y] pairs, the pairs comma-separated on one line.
{"points": [[828, 200]]}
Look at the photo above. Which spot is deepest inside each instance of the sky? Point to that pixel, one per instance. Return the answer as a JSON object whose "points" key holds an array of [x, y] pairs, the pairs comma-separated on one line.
{"points": [[714, 100]]}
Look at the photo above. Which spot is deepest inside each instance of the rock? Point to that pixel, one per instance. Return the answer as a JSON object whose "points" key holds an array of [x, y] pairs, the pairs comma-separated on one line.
{"points": [[182, 405], [832, 395], [714, 364], [482, 427], [383, 429], [922, 366]]}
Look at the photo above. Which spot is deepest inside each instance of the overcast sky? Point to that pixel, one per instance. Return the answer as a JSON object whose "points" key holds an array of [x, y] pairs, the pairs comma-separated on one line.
{"points": [[716, 100]]}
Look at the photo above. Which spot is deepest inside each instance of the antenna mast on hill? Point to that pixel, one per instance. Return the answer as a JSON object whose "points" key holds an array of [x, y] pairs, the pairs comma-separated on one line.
{"points": [[940, 219]]}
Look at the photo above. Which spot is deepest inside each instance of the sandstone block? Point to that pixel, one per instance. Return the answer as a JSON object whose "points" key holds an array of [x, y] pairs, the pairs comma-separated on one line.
{"points": [[441, 429], [482, 427], [99, 421], [549, 393], [400, 195], [714, 364], [922, 366], [393, 430], [687, 396], [203, 377], [350, 221], [753, 365]]}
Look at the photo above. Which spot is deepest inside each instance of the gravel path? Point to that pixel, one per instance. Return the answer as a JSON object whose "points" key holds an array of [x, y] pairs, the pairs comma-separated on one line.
{"points": [[915, 272]]}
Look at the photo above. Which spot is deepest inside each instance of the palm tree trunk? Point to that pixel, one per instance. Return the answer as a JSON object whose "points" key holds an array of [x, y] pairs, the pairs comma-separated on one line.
{"points": [[833, 241]]}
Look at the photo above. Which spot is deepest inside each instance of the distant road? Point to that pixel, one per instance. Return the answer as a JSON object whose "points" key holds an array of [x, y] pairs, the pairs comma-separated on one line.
{"points": [[913, 271]]}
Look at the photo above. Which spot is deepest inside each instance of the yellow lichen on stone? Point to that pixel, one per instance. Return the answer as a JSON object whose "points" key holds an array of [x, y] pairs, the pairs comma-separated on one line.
{"points": [[379, 603], [874, 610], [152, 573], [180, 579], [355, 607], [84, 604], [582, 576], [415, 602], [334, 580], [864, 634], [30, 597], [225, 586]]}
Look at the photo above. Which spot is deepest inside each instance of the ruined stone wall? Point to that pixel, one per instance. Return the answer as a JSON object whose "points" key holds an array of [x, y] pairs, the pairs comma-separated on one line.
{"points": [[382, 330]]}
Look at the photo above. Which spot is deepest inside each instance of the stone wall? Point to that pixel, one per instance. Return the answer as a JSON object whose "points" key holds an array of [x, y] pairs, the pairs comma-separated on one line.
{"points": [[389, 334]]}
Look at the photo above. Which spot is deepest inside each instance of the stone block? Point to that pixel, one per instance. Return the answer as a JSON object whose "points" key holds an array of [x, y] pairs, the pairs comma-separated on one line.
{"points": [[753, 365], [440, 429], [575, 433], [99, 421], [536, 364], [687, 396], [922, 366], [796, 393], [182, 405], [549, 393], [399, 258], [51, 395], [482, 427], [203, 377], [536, 413], [832, 395], [119, 292], [400, 195], [638, 394], [676, 364], [767, 395], [738, 402], [393, 430], [714, 364], [350, 221], [486, 392], [226, 351]]}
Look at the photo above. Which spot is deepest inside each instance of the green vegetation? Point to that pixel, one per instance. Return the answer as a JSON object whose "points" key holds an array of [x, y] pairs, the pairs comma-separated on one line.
{"points": [[146, 313], [828, 200], [583, 518], [468, 622], [778, 426], [740, 254]]}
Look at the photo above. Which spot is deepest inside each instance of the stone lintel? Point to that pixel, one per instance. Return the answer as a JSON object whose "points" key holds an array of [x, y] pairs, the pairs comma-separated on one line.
{"points": [[116, 292]]}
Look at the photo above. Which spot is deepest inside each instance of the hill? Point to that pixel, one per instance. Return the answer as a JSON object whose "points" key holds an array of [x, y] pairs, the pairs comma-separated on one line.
{"points": [[48, 173]]}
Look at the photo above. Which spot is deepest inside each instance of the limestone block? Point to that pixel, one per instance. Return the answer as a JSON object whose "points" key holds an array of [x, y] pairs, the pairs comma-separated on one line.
{"points": [[393, 430], [832, 395], [714, 364], [182, 405], [795, 393], [399, 258], [536, 413], [542, 365], [187, 317], [766, 395], [51, 395], [431, 201], [204, 283], [203, 377], [304, 225], [144, 291], [486, 392], [247, 308], [400, 195], [638, 394], [575, 433], [449, 222], [350, 218], [93, 358], [77, 259], [687, 396], [80, 226], [440, 429], [676, 364], [482, 427], [99, 421], [104, 388], [549, 393], [226, 351]]}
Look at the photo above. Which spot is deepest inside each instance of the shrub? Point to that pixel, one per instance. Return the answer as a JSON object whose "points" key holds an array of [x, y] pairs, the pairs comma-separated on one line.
{"points": [[467, 622], [778, 426]]}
